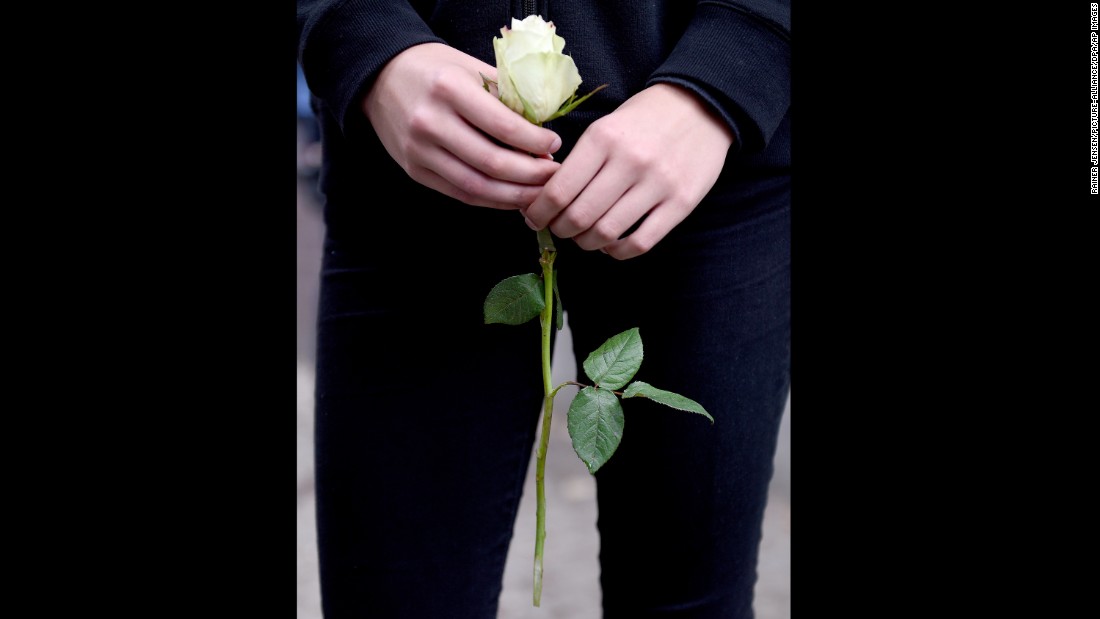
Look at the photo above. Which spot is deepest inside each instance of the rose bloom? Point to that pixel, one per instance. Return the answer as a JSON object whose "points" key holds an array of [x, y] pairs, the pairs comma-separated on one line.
{"points": [[533, 77]]}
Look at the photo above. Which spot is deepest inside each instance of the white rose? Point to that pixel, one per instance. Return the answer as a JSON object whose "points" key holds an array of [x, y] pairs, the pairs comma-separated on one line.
{"points": [[533, 77]]}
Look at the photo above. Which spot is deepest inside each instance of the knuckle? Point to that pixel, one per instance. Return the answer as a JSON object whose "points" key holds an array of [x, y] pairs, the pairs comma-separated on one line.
{"points": [[587, 243], [491, 163], [523, 196], [556, 195], [681, 201], [604, 232], [420, 122], [636, 245], [667, 174], [570, 220], [602, 132], [574, 220], [439, 83], [559, 228], [641, 158], [471, 185]]}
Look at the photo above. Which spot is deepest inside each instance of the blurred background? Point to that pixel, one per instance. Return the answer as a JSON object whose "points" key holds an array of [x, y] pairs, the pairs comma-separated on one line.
{"points": [[571, 582]]}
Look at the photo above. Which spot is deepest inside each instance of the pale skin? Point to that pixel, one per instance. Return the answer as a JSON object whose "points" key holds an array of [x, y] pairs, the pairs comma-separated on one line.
{"points": [[432, 114], [658, 154]]}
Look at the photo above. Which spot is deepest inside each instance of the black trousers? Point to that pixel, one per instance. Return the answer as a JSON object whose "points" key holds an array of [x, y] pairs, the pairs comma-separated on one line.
{"points": [[426, 417]]}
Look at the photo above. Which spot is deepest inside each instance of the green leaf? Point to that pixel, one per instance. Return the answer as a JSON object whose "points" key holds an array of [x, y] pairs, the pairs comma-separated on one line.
{"points": [[485, 81], [573, 102], [515, 300], [674, 400], [558, 322], [595, 426], [616, 361]]}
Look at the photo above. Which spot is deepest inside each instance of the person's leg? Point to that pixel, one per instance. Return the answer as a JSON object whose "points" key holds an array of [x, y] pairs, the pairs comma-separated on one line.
{"points": [[425, 419], [681, 502]]}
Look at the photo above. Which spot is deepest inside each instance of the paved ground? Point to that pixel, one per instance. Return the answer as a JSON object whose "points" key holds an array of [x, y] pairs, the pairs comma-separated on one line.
{"points": [[570, 588]]}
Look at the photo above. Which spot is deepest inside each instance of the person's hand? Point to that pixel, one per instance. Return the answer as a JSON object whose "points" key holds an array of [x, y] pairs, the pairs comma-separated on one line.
{"points": [[659, 154], [432, 114]]}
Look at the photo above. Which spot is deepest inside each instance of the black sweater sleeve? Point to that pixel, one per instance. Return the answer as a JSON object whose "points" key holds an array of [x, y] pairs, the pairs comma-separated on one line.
{"points": [[736, 56], [343, 44]]}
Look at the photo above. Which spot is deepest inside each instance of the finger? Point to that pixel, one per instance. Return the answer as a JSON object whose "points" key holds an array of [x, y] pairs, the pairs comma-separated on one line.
{"points": [[476, 183], [625, 212], [661, 220], [601, 194], [505, 164], [582, 165], [487, 113], [482, 189]]}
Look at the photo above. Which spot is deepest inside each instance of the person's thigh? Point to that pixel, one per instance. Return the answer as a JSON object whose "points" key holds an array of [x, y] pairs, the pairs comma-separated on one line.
{"points": [[681, 501], [425, 419]]}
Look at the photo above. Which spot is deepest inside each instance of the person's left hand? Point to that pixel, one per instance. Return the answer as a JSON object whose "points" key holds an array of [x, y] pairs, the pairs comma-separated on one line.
{"points": [[659, 154]]}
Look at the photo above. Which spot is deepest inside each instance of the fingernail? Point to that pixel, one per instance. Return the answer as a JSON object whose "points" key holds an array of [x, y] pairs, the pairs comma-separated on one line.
{"points": [[556, 144], [602, 250], [530, 224]]}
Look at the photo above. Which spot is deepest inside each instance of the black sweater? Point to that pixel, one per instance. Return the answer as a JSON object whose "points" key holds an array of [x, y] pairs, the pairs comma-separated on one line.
{"points": [[733, 54]]}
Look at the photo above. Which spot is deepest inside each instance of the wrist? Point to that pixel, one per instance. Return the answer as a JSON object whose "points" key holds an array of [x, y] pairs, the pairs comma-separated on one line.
{"points": [[697, 105]]}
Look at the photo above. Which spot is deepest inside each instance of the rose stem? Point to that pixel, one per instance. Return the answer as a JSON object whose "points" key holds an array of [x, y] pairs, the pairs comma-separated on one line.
{"points": [[547, 320]]}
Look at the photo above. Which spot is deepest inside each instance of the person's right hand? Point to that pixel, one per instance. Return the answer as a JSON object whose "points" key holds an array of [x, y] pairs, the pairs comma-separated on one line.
{"points": [[430, 109]]}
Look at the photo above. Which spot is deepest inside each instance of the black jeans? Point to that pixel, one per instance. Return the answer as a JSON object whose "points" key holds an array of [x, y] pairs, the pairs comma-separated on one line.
{"points": [[426, 417]]}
